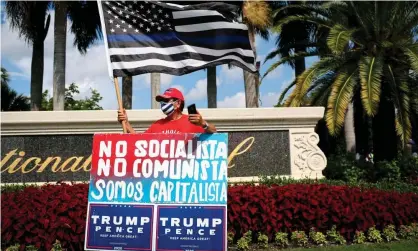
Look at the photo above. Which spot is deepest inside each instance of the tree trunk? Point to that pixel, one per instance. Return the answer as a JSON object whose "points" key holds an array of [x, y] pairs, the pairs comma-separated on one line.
{"points": [[350, 137], [385, 140], [127, 92], [211, 87], [37, 74], [251, 80], [299, 63], [60, 38], [155, 89]]}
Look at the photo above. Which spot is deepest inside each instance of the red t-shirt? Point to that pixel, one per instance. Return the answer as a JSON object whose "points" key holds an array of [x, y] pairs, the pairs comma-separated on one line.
{"points": [[181, 125]]}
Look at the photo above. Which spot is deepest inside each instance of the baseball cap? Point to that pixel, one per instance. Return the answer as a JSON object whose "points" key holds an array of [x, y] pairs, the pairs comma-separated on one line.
{"points": [[170, 93]]}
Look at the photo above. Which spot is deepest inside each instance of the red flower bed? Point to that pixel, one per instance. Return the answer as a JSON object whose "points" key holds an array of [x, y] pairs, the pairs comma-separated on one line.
{"points": [[58, 212]]}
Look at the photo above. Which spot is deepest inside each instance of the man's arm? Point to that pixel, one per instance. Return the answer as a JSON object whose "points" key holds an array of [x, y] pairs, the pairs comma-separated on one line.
{"points": [[210, 128], [129, 128]]}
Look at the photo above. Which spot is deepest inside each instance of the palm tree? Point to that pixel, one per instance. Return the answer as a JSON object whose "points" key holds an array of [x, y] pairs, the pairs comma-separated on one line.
{"points": [[127, 92], [211, 87], [32, 20], [155, 88], [87, 29], [373, 49], [257, 15], [10, 101]]}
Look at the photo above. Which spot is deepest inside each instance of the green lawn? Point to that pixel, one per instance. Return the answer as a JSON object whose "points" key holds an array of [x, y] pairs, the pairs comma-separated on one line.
{"points": [[404, 245], [395, 246]]}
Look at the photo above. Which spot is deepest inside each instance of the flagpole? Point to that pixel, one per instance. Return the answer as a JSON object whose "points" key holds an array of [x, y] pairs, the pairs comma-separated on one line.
{"points": [[109, 66]]}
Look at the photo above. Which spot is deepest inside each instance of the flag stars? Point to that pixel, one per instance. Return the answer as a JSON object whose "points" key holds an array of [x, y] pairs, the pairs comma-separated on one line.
{"points": [[110, 21], [148, 11], [141, 6], [118, 26], [123, 21], [155, 16], [120, 12], [159, 28], [116, 17], [114, 7], [166, 15], [112, 30], [148, 29], [161, 21], [141, 25], [109, 11], [130, 26], [136, 30], [153, 6], [127, 16], [160, 11], [134, 21], [124, 30]]}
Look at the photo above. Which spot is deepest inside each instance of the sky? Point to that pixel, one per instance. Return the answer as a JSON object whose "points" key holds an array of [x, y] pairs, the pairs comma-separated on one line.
{"points": [[90, 71]]}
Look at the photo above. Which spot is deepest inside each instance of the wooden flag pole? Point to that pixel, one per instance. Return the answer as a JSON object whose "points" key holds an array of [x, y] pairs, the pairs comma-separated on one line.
{"points": [[116, 82]]}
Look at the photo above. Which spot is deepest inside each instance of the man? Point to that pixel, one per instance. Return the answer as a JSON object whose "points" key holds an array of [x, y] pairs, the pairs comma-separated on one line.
{"points": [[172, 105]]}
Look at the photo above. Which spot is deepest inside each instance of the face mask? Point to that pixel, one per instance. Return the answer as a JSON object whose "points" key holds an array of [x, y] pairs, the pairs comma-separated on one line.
{"points": [[167, 108]]}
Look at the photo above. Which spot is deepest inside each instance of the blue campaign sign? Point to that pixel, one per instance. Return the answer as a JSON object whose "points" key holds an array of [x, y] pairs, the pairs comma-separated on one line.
{"points": [[119, 227], [158, 192], [191, 227]]}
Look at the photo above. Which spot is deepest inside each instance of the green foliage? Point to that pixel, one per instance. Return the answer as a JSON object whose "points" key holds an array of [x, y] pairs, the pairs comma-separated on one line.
{"points": [[374, 55], [317, 238], [244, 242], [373, 235], [406, 232], [230, 237], [299, 238], [359, 237], [281, 239], [334, 236], [10, 100], [389, 233], [263, 241], [88, 103]]}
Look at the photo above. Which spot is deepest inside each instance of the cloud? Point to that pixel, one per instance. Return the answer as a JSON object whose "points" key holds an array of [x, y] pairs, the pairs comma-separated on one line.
{"points": [[235, 101], [144, 81], [199, 91], [270, 99], [231, 76], [87, 71]]}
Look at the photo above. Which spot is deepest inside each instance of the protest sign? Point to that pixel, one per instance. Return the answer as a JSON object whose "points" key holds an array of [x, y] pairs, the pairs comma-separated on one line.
{"points": [[158, 192]]}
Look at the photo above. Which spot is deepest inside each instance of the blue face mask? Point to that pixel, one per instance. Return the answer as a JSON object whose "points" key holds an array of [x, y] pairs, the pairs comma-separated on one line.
{"points": [[167, 108]]}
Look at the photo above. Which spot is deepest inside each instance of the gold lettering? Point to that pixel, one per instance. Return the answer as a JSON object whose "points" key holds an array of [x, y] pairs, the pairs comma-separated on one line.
{"points": [[86, 166], [78, 160], [11, 168], [236, 152], [23, 166], [6, 158], [47, 162]]}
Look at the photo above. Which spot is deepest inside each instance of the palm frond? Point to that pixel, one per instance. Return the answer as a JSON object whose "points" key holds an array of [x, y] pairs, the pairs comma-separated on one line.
{"points": [[412, 53], [319, 21], [370, 79], [401, 100], [287, 59], [303, 81], [341, 95], [285, 91], [339, 37]]}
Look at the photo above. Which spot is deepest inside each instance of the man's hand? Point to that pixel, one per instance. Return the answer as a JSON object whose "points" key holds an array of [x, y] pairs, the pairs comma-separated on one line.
{"points": [[197, 119], [122, 116]]}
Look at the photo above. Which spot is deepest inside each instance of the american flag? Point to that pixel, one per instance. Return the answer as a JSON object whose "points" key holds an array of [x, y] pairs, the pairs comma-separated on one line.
{"points": [[150, 36]]}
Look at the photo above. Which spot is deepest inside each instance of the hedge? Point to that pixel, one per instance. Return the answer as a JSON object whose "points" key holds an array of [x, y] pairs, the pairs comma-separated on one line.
{"points": [[41, 215]]}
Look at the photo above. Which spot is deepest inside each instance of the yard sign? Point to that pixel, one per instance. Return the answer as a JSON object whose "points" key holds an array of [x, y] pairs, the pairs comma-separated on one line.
{"points": [[158, 192]]}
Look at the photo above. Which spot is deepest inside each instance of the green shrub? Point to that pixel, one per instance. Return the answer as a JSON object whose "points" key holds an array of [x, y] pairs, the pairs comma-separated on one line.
{"points": [[230, 237], [389, 233], [359, 237], [373, 235], [317, 238], [335, 237], [263, 241], [387, 171], [282, 239], [244, 242], [299, 238], [406, 232]]}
